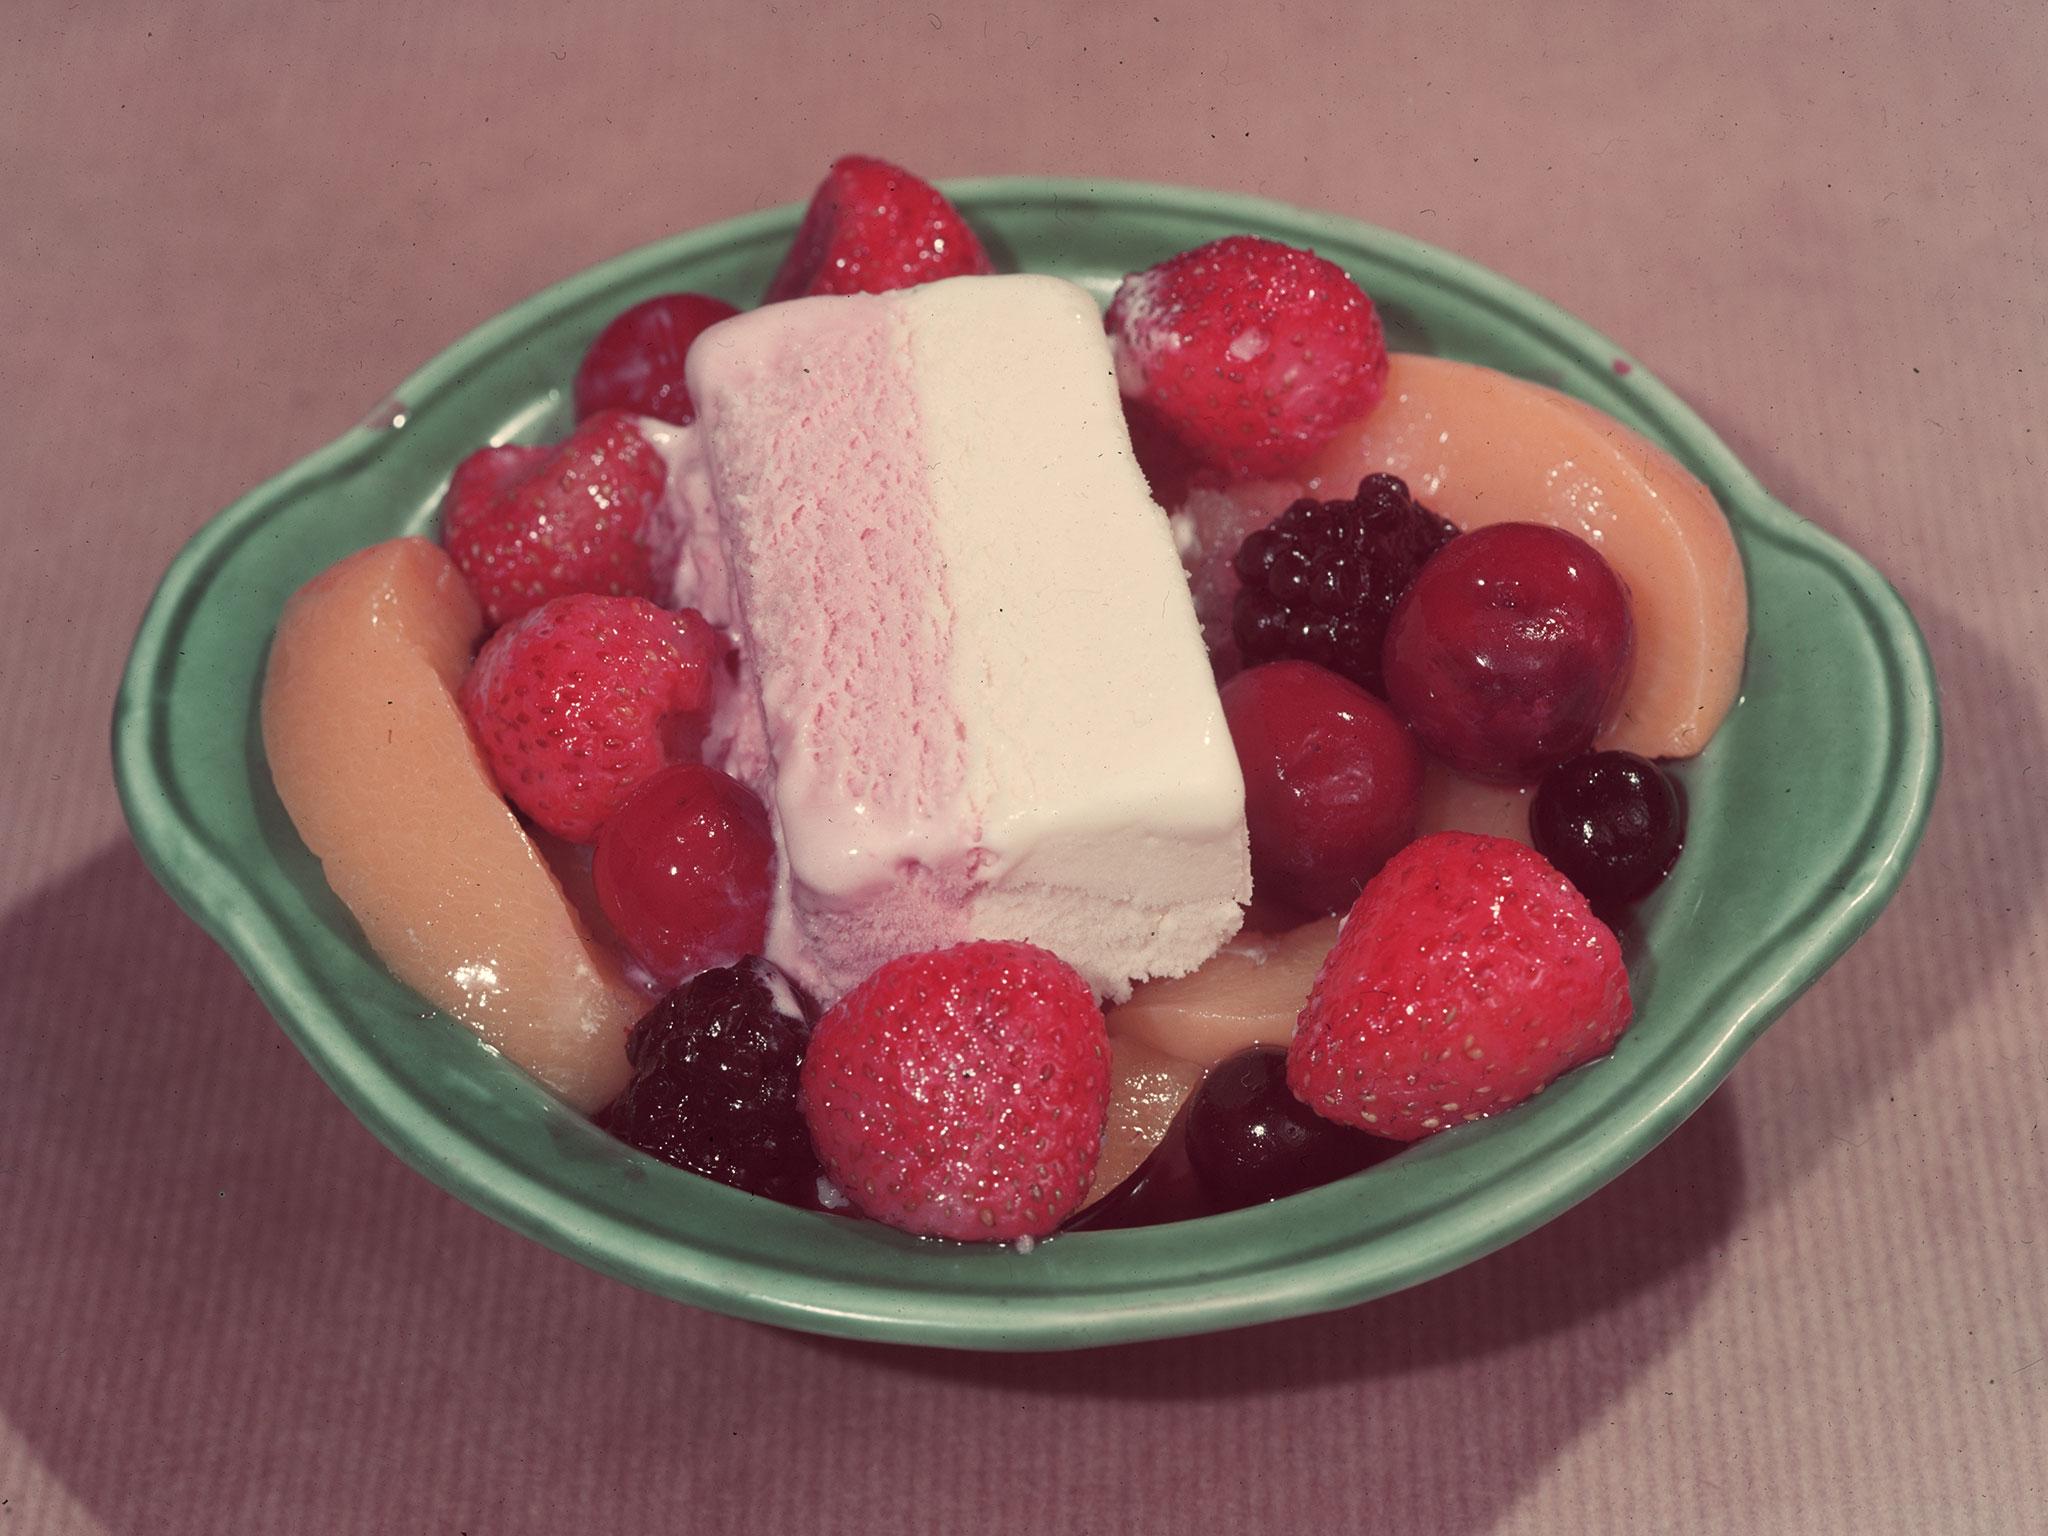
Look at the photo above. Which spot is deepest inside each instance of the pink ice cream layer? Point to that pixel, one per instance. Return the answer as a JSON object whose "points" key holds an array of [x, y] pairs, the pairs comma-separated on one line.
{"points": [[973, 693]]}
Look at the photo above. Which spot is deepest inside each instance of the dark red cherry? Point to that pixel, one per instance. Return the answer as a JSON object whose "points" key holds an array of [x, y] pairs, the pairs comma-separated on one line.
{"points": [[1509, 650], [1332, 782], [1612, 822], [1249, 1139]]}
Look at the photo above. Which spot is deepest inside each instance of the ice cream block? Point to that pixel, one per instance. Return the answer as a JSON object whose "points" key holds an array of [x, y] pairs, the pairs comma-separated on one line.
{"points": [[975, 696]]}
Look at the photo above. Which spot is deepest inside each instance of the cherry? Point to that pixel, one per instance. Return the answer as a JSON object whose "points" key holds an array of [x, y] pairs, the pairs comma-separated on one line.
{"points": [[683, 871], [636, 363], [1510, 650], [1332, 782], [1249, 1139], [1611, 822], [1241, 1139]]}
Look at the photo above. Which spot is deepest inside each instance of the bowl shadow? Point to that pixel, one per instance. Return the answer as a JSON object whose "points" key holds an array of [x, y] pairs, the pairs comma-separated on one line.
{"points": [[232, 1311], [1642, 1235], [1971, 902]]}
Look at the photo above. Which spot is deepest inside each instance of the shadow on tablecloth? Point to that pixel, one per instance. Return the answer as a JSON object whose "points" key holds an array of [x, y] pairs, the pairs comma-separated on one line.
{"points": [[229, 1310]]}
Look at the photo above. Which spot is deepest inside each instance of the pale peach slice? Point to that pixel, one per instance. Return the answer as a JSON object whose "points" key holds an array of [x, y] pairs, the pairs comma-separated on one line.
{"points": [[1146, 1091], [1248, 993], [1453, 803], [1478, 446], [372, 758]]}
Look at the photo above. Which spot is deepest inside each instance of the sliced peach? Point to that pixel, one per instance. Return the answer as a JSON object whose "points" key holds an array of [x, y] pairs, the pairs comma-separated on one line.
{"points": [[372, 758], [1248, 993], [1453, 803], [1478, 446], [1146, 1091]]}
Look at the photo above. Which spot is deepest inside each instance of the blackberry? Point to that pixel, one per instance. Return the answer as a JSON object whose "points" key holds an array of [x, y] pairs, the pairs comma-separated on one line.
{"points": [[1321, 580], [714, 1082]]}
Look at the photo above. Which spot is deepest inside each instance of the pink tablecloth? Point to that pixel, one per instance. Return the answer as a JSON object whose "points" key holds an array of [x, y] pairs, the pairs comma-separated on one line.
{"points": [[226, 230]]}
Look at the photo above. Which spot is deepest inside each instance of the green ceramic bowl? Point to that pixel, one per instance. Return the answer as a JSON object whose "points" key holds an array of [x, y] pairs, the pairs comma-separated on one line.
{"points": [[1804, 813]]}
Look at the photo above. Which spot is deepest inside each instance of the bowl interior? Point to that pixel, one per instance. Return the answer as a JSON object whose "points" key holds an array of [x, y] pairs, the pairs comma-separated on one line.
{"points": [[1803, 813]]}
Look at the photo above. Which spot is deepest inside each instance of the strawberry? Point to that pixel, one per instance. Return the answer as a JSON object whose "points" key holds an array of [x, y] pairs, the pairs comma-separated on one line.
{"points": [[870, 227], [636, 363], [1251, 352], [578, 703], [1469, 975], [1170, 474], [962, 1092], [524, 525]]}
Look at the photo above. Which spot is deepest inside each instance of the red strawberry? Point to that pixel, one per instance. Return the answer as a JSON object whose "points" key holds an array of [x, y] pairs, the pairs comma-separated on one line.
{"points": [[636, 363], [1170, 474], [961, 1093], [1469, 975], [871, 227], [1251, 352], [527, 524], [578, 703]]}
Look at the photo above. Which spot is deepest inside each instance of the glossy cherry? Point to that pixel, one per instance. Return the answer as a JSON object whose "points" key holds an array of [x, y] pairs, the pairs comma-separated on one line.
{"points": [[636, 363], [684, 870], [1332, 782], [1249, 1139], [1612, 822], [1510, 650]]}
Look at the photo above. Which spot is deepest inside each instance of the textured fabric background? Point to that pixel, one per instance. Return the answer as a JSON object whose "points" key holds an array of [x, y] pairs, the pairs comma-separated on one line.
{"points": [[225, 230]]}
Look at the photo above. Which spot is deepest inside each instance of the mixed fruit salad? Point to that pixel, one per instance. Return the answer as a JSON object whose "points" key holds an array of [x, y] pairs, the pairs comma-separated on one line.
{"points": [[1457, 625]]}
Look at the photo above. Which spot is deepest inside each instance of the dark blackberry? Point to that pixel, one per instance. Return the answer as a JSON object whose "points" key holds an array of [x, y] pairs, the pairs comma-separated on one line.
{"points": [[714, 1082], [1321, 580]]}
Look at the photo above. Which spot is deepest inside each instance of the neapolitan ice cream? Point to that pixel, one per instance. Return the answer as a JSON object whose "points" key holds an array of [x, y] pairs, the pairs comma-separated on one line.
{"points": [[975, 696]]}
